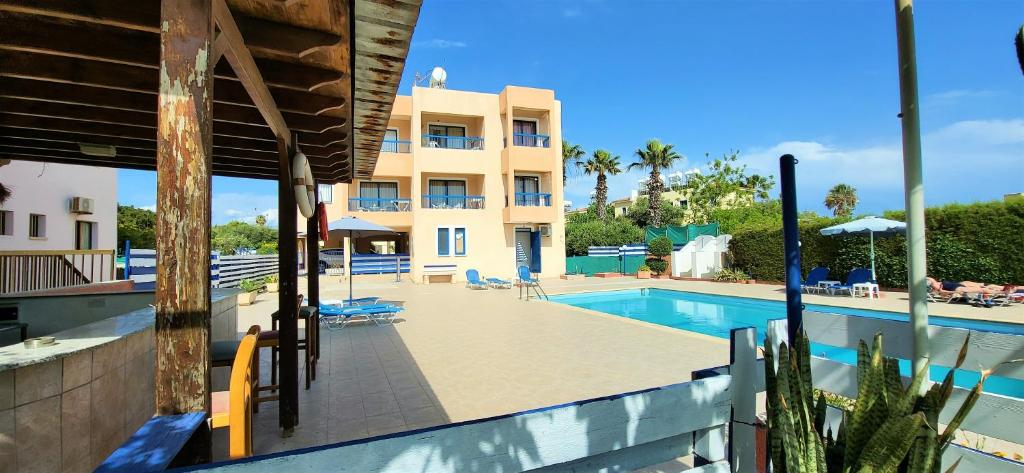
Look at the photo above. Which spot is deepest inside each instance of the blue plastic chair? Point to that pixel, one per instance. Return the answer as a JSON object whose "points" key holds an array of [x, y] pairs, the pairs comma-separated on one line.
{"points": [[473, 280], [815, 276]]}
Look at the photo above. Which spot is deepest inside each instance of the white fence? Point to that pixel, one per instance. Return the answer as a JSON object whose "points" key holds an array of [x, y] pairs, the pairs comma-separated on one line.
{"points": [[225, 271]]}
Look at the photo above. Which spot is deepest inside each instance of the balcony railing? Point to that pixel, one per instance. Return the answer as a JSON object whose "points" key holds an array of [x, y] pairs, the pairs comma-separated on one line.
{"points": [[395, 146], [533, 199], [364, 204], [531, 140], [453, 142], [453, 201]]}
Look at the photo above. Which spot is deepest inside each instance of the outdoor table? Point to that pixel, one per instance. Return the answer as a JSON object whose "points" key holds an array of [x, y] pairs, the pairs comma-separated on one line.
{"points": [[868, 289], [827, 285]]}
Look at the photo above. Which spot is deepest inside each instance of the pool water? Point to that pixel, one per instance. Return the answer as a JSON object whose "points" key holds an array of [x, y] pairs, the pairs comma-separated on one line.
{"points": [[718, 315]]}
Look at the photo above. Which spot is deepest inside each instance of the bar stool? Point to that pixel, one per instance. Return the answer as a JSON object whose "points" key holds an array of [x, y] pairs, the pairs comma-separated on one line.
{"points": [[311, 317]]}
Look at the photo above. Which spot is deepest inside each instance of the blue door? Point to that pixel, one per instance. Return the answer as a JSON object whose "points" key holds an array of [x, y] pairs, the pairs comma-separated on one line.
{"points": [[535, 252]]}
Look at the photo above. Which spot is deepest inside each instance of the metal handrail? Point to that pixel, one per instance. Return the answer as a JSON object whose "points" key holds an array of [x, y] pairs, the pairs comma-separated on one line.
{"points": [[453, 142], [395, 146], [533, 199], [440, 201], [531, 140], [370, 204]]}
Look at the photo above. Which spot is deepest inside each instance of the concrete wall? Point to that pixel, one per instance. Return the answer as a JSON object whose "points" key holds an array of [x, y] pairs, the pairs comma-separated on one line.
{"points": [[46, 315], [47, 189]]}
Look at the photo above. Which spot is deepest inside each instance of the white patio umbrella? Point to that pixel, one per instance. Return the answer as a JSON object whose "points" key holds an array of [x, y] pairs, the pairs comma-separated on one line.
{"points": [[869, 226], [357, 227]]}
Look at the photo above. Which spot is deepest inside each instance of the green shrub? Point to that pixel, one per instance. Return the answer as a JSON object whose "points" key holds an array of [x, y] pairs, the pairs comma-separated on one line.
{"points": [[582, 232], [660, 246], [249, 285], [978, 242], [644, 267], [657, 265], [730, 275], [273, 278]]}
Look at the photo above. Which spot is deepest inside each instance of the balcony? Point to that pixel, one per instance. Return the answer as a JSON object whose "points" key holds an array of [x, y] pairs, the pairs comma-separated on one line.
{"points": [[387, 212], [530, 140], [395, 146], [453, 142], [363, 204], [472, 202], [532, 199]]}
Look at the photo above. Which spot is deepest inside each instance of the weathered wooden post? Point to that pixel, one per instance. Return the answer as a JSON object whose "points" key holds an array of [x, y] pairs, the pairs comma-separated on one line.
{"points": [[183, 162], [288, 328], [313, 264]]}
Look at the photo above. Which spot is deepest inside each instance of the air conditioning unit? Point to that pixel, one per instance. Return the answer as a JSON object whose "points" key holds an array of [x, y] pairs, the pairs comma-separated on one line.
{"points": [[545, 230], [81, 205]]}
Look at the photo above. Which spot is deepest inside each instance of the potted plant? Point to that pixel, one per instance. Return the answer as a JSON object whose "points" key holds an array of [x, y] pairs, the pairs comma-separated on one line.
{"points": [[271, 282], [659, 248], [249, 290], [643, 272]]}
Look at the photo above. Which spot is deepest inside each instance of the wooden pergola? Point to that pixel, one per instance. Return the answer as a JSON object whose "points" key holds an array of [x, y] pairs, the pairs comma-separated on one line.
{"points": [[196, 88]]}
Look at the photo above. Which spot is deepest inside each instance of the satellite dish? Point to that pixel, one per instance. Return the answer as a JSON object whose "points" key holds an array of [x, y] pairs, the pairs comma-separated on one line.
{"points": [[438, 77]]}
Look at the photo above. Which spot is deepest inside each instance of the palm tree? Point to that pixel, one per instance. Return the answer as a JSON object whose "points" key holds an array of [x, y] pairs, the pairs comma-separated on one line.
{"points": [[656, 156], [5, 193], [601, 163], [572, 156], [841, 200]]}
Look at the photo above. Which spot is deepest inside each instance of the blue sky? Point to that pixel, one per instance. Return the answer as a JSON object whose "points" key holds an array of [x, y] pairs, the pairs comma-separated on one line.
{"points": [[815, 79]]}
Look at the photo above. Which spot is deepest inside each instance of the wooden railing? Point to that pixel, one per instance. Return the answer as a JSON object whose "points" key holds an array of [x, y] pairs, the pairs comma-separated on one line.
{"points": [[33, 270]]}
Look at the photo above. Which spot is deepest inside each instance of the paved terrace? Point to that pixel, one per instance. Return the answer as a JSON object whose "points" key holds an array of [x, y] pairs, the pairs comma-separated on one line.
{"points": [[458, 354]]}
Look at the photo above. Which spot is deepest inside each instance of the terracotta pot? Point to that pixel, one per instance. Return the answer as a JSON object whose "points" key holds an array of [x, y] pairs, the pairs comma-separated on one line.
{"points": [[247, 298], [643, 275], [272, 287]]}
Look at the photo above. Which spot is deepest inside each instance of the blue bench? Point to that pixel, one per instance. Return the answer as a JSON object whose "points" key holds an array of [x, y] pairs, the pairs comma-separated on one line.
{"points": [[439, 270], [155, 445]]}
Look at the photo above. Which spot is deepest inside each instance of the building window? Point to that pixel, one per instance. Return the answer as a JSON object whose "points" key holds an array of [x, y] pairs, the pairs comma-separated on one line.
{"points": [[6, 223], [527, 191], [390, 144], [326, 192], [446, 194], [36, 226], [460, 241], [443, 245], [524, 133], [445, 136], [85, 235], [379, 196]]}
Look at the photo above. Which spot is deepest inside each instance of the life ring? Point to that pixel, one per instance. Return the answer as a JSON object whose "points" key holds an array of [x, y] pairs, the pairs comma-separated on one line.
{"points": [[304, 187]]}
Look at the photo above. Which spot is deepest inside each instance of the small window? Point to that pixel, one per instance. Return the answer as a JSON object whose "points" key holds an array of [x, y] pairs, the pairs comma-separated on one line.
{"points": [[460, 241], [36, 226], [85, 235], [443, 245], [6, 223], [326, 192]]}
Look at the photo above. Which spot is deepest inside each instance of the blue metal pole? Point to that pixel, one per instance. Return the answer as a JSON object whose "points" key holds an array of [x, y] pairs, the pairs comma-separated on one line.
{"points": [[791, 245], [127, 259]]}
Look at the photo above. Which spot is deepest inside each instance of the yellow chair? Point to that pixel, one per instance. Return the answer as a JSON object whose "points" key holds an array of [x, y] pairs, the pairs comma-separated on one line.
{"points": [[233, 408]]}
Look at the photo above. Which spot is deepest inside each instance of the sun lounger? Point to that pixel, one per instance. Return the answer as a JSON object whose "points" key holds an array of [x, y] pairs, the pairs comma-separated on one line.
{"points": [[473, 280], [814, 277], [335, 317], [499, 283], [856, 276]]}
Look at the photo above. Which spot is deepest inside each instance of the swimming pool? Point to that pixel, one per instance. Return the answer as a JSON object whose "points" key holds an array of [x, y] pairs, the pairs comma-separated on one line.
{"points": [[717, 315]]}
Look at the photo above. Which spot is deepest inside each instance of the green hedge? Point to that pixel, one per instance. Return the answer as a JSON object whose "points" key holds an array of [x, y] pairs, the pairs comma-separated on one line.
{"points": [[978, 242]]}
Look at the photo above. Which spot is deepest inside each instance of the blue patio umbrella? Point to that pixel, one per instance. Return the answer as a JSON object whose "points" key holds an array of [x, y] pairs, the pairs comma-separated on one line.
{"points": [[869, 226], [357, 227]]}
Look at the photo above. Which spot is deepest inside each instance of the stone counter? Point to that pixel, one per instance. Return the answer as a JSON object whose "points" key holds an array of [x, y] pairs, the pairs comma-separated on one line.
{"points": [[68, 406]]}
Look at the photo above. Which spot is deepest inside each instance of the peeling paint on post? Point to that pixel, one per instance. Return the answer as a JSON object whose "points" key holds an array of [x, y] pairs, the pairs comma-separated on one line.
{"points": [[184, 153]]}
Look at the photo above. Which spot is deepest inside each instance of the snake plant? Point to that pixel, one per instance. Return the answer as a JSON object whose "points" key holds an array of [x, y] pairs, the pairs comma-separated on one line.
{"points": [[891, 428]]}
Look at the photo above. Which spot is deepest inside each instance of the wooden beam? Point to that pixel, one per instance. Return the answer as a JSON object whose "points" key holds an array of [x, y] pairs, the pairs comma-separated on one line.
{"points": [[248, 73], [184, 168], [288, 328]]}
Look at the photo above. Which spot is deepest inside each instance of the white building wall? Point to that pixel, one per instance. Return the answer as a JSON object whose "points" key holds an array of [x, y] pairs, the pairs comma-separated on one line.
{"points": [[47, 189]]}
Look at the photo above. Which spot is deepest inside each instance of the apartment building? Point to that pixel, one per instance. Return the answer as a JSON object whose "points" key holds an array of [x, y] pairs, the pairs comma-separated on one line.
{"points": [[58, 207], [467, 179]]}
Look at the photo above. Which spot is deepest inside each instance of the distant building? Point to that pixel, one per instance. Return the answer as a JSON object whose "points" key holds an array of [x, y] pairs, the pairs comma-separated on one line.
{"points": [[58, 207], [676, 194]]}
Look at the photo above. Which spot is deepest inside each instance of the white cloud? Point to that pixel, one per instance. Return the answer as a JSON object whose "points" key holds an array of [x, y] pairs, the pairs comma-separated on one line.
{"points": [[963, 162], [952, 97], [438, 43], [230, 206], [151, 208]]}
